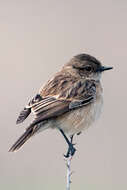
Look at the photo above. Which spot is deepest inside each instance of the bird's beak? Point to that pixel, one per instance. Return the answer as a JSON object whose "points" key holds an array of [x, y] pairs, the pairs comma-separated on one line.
{"points": [[103, 68]]}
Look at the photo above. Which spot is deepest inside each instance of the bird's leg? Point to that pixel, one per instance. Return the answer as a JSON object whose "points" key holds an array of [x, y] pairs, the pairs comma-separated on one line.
{"points": [[71, 138], [71, 149]]}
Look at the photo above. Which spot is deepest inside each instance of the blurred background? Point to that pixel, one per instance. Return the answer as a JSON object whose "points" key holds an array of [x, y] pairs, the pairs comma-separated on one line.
{"points": [[36, 38]]}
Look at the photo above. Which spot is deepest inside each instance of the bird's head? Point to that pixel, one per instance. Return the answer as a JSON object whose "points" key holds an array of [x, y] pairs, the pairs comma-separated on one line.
{"points": [[86, 66]]}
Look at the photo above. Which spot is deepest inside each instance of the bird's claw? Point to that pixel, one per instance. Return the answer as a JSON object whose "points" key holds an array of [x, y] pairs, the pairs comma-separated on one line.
{"points": [[71, 151]]}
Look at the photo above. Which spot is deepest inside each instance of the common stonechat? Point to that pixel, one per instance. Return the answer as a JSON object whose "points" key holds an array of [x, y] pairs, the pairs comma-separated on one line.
{"points": [[70, 101]]}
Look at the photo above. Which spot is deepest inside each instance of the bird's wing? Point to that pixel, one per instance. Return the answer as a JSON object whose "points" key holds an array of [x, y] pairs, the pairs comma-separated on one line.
{"points": [[55, 108], [52, 106]]}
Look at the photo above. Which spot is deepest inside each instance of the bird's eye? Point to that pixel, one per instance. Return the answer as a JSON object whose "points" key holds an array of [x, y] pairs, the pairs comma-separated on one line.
{"points": [[88, 68]]}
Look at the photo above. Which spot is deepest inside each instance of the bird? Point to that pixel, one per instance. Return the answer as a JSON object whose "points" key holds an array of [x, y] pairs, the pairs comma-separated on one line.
{"points": [[71, 101]]}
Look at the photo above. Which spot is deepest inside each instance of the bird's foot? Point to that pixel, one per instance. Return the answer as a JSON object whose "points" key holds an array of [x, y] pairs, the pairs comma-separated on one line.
{"points": [[71, 150]]}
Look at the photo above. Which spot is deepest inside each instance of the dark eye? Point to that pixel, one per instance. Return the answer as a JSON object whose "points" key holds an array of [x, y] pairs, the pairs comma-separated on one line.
{"points": [[88, 68]]}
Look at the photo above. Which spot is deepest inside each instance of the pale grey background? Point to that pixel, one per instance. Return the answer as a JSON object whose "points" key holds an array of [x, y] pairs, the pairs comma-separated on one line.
{"points": [[36, 38]]}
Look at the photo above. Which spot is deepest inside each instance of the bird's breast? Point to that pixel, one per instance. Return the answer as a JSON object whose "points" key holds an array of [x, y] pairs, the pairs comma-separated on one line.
{"points": [[81, 118]]}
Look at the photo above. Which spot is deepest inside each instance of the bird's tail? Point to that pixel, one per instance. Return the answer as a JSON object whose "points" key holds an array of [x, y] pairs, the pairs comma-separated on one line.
{"points": [[30, 131]]}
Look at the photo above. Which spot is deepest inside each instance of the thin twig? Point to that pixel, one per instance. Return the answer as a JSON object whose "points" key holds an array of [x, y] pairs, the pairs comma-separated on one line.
{"points": [[69, 173]]}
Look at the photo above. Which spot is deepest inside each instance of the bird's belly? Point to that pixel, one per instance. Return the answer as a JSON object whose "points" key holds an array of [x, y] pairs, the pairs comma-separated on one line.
{"points": [[79, 119]]}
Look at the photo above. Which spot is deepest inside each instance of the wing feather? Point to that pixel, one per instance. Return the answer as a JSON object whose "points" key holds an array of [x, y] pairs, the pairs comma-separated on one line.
{"points": [[79, 94]]}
